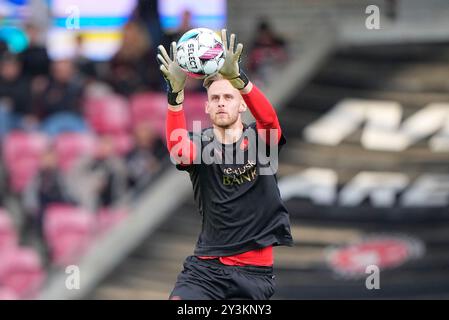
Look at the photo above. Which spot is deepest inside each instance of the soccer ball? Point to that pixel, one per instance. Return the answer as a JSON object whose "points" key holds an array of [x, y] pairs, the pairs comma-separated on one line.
{"points": [[200, 52]]}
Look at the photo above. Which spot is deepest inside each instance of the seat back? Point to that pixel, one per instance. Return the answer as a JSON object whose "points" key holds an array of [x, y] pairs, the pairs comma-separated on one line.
{"points": [[68, 231], [8, 235], [22, 154], [72, 146], [108, 114], [21, 272]]}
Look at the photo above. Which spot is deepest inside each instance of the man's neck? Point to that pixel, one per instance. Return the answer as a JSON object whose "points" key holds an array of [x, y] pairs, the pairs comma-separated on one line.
{"points": [[229, 135]]}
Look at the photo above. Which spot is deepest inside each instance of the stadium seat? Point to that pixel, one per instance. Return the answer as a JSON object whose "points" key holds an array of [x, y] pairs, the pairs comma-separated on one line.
{"points": [[22, 152], [68, 231], [8, 294], [149, 107], [123, 143], [63, 122], [21, 272], [72, 146], [108, 114], [8, 235]]}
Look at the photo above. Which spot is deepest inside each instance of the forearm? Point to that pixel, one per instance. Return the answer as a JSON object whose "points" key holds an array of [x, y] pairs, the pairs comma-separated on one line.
{"points": [[181, 148], [262, 110]]}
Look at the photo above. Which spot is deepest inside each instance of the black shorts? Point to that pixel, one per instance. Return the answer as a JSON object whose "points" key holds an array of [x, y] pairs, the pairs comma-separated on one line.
{"points": [[211, 280]]}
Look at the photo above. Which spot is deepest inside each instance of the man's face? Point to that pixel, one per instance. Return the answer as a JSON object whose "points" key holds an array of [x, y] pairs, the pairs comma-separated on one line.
{"points": [[62, 70], [10, 70], [224, 104]]}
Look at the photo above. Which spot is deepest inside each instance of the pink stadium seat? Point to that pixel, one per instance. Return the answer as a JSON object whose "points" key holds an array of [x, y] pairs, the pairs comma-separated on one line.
{"points": [[68, 231], [194, 108], [21, 272], [108, 218], [8, 235], [22, 152], [72, 146], [123, 143], [149, 107], [8, 294], [108, 114]]}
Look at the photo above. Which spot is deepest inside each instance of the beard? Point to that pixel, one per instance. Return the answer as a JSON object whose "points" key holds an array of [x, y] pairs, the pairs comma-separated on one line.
{"points": [[224, 121]]}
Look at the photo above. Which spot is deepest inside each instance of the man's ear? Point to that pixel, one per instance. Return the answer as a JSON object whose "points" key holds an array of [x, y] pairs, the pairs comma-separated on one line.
{"points": [[243, 106], [206, 107]]}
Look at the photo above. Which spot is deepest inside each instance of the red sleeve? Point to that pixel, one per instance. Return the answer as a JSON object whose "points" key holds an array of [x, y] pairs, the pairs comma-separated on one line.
{"points": [[264, 113], [181, 148]]}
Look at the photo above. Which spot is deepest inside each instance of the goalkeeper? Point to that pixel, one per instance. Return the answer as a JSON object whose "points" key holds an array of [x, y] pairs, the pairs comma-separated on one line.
{"points": [[243, 216]]}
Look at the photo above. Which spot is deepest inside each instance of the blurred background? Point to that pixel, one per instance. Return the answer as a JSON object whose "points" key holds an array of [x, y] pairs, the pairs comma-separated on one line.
{"points": [[92, 208]]}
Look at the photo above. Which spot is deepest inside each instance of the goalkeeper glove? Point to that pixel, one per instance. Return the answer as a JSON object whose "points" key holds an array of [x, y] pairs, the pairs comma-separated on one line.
{"points": [[173, 74], [231, 69]]}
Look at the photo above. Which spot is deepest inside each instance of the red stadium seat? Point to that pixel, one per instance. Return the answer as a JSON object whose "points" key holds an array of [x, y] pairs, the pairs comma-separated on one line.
{"points": [[72, 146], [8, 235], [68, 231], [21, 272], [22, 152], [108, 114]]}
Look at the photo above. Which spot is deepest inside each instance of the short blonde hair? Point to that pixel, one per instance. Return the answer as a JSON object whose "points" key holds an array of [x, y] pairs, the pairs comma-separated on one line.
{"points": [[211, 79]]}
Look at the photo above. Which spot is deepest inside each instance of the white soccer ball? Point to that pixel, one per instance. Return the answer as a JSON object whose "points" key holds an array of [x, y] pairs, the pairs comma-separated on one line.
{"points": [[200, 52]]}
